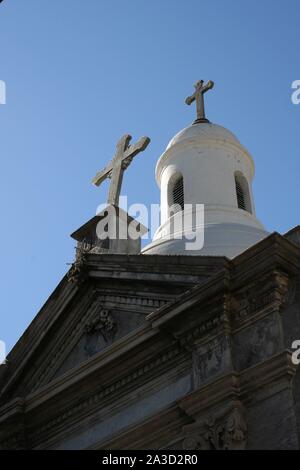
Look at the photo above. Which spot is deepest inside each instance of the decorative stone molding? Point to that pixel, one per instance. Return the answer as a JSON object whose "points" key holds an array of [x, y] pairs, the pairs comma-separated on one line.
{"points": [[290, 294], [271, 290], [51, 362], [133, 300], [78, 272], [103, 322], [210, 359], [97, 399], [224, 431], [99, 299], [208, 327]]}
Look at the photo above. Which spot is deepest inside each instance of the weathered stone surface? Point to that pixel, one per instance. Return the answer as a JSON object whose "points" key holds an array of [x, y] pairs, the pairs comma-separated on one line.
{"points": [[259, 341], [223, 429], [294, 235], [110, 231], [272, 421], [211, 360], [121, 160], [161, 352]]}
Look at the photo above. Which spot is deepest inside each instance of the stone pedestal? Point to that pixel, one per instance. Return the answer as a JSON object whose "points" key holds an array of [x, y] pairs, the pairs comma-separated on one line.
{"points": [[111, 231]]}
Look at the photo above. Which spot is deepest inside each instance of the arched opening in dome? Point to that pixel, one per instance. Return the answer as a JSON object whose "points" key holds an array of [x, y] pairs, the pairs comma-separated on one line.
{"points": [[176, 193], [242, 192]]}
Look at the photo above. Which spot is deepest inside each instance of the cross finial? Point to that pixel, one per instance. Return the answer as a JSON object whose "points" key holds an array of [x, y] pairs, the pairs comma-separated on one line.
{"points": [[115, 169], [200, 89]]}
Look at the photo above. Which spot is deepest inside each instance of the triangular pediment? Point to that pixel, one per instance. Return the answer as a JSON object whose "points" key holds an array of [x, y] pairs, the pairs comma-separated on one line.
{"points": [[105, 321], [94, 321], [91, 321], [89, 311]]}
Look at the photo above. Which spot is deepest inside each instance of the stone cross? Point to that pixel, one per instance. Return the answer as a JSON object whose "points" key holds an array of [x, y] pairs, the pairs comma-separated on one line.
{"points": [[115, 169], [200, 89]]}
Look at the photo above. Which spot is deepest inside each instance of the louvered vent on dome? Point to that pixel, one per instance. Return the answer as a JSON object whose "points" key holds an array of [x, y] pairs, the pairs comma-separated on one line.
{"points": [[178, 192], [240, 195], [242, 192]]}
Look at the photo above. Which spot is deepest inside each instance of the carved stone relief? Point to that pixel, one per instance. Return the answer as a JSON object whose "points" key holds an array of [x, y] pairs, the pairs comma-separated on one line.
{"points": [[273, 289], [78, 272], [101, 325], [223, 431], [211, 359]]}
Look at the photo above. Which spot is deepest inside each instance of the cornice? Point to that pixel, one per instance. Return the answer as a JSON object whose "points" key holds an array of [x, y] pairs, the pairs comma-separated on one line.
{"points": [[272, 370], [101, 404], [216, 395], [188, 299]]}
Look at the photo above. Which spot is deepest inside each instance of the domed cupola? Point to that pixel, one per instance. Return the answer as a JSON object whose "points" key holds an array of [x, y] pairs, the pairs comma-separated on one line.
{"points": [[205, 164]]}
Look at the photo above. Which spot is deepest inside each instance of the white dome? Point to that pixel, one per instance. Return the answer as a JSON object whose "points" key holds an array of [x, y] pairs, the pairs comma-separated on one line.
{"points": [[203, 131], [205, 166]]}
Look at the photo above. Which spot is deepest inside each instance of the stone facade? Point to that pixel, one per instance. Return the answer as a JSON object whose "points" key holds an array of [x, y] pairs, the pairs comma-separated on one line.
{"points": [[161, 352]]}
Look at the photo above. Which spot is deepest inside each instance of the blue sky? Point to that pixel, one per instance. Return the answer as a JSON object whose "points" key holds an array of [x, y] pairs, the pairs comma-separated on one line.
{"points": [[80, 74]]}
